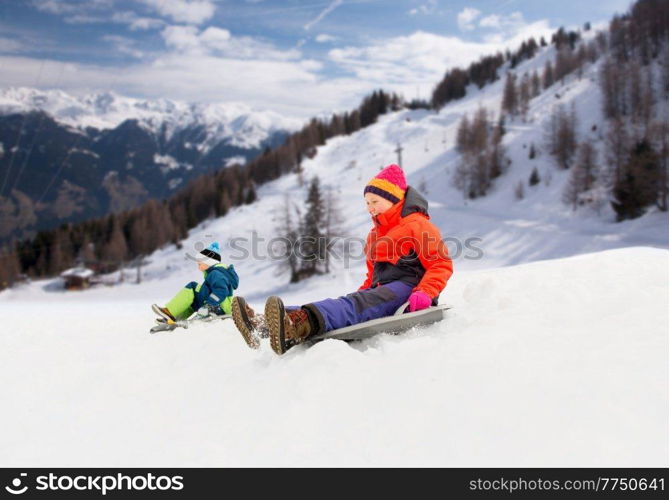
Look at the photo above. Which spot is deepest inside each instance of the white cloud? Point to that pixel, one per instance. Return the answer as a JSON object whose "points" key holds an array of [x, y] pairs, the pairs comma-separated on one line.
{"points": [[420, 58], [214, 36], [427, 8], [219, 42], [182, 38], [324, 12], [466, 18], [54, 7], [492, 21], [513, 28], [65, 7], [183, 11], [288, 87], [514, 36], [133, 21], [85, 19], [213, 64], [324, 38], [311, 65], [124, 45], [9, 45], [513, 21], [145, 23]]}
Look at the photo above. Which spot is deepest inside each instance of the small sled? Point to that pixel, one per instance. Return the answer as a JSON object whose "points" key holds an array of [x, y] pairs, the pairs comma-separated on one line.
{"points": [[394, 325], [201, 316]]}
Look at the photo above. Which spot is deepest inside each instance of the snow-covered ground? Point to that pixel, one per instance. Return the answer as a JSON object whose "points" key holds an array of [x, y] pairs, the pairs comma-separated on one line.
{"points": [[553, 354], [553, 363]]}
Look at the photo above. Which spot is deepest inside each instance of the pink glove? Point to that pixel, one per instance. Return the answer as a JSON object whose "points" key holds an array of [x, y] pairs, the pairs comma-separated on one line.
{"points": [[419, 300]]}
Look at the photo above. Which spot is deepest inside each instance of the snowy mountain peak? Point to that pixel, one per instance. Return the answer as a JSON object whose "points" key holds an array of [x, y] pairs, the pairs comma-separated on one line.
{"points": [[240, 124]]}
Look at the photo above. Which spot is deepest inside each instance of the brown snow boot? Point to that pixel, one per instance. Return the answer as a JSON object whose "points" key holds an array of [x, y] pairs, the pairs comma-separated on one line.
{"points": [[286, 329], [250, 324]]}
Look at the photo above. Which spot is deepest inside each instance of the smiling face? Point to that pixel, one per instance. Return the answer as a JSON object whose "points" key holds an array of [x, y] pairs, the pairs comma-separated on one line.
{"points": [[376, 205]]}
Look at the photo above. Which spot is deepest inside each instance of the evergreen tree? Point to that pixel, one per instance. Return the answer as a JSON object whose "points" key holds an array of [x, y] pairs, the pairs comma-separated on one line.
{"points": [[9, 267], [501, 125], [665, 72], [250, 195], [637, 187], [312, 245], [548, 77], [56, 258], [661, 135], [496, 153], [534, 177], [453, 86]]}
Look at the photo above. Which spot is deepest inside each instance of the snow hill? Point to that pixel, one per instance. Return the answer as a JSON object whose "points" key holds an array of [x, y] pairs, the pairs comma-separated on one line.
{"points": [[553, 363], [553, 354]]}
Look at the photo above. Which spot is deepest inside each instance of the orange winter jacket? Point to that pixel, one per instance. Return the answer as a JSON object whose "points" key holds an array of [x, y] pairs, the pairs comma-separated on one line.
{"points": [[405, 246]]}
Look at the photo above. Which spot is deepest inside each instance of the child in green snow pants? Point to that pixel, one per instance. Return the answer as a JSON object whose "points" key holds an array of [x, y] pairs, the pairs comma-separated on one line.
{"points": [[215, 292]]}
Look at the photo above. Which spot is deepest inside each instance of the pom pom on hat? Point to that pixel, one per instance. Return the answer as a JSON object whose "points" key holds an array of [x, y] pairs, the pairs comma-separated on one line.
{"points": [[390, 184]]}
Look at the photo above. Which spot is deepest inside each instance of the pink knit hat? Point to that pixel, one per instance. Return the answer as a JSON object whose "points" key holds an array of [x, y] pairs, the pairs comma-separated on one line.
{"points": [[390, 184]]}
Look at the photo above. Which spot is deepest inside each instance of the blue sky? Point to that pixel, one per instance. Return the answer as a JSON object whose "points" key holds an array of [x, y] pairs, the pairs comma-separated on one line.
{"points": [[295, 57]]}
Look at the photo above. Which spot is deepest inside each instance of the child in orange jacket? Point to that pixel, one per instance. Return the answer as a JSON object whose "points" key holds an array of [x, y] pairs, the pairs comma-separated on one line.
{"points": [[407, 261]]}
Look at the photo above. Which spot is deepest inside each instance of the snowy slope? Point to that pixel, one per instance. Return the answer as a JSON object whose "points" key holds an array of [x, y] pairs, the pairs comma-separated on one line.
{"points": [[554, 363], [553, 353], [242, 125]]}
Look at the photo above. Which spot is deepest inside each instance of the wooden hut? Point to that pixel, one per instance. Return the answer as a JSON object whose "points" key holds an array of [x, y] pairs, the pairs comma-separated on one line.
{"points": [[77, 278]]}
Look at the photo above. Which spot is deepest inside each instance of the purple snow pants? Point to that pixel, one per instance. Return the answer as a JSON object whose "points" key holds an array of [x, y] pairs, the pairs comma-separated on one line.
{"points": [[360, 306]]}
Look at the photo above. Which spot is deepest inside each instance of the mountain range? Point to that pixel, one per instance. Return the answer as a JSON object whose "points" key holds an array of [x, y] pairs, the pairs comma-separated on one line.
{"points": [[65, 158]]}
